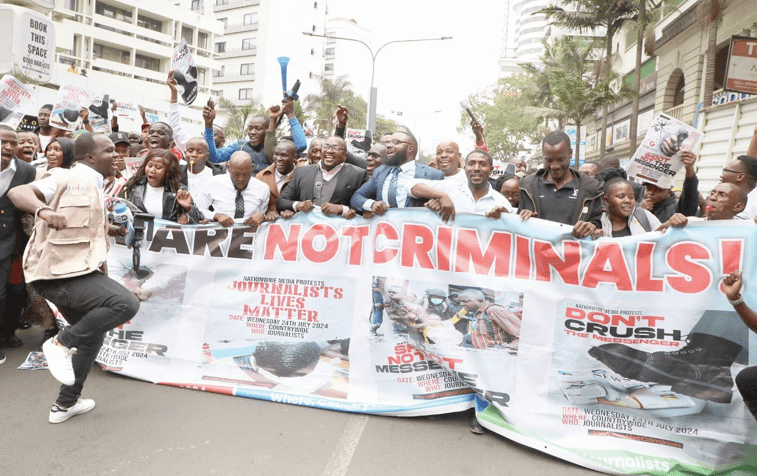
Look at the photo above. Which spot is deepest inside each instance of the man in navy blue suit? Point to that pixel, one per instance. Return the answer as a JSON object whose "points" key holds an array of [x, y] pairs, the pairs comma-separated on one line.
{"points": [[386, 188]]}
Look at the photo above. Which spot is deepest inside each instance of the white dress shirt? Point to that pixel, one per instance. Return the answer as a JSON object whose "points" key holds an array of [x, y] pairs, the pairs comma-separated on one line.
{"points": [[196, 182], [462, 197], [407, 173], [219, 192], [6, 176], [750, 211]]}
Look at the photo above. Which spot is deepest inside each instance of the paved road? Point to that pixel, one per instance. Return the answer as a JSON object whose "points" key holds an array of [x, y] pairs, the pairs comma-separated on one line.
{"points": [[140, 428]]}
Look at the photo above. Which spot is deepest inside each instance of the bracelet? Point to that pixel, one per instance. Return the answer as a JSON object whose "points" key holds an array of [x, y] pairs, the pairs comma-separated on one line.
{"points": [[85, 122], [738, 301], [173, 101], [43, 207]]}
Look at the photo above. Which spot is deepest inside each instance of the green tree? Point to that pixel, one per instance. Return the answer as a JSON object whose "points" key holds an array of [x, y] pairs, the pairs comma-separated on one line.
{"points": [[501, 111], [238, 115], [576, 90], [384, 126], [590, 15], [322, 105]]}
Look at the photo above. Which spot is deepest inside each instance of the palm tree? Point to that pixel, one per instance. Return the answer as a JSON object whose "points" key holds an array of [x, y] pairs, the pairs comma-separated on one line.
{"points": [[577, 92], [333, 93], [237, 116], [589, 15]]}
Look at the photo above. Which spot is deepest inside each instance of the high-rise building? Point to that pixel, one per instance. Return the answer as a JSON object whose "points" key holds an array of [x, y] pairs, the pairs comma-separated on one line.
{"points": [[348, 58], [125, 46], [255, 34]]}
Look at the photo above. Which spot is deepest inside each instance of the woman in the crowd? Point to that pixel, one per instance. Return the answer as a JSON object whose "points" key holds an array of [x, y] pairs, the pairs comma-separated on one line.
{"points": [[60, 153], [621, 216], [156, 188]]}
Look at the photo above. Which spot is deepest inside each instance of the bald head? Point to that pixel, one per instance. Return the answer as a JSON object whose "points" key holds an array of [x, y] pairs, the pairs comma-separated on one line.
{"points": [[725, 201], [448, 157], [240, 169]]}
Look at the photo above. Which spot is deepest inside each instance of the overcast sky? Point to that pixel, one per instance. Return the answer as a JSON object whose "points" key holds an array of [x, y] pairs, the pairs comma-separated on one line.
{"points": [[419, 79]]}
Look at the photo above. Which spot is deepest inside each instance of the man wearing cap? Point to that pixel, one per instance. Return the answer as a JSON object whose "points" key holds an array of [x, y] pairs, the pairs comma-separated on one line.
{"points": [[435, 302], [662, 202], [122, 143]]}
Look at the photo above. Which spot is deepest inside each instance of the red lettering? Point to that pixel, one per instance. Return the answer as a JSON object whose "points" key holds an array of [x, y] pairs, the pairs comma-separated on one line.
{"points": [[330, 249], [469, 251], [443, 247], [287, 245], [522, 258], [385, 253], [546, 258], [608, 266], [731, 255], [573, 313], [417, 242], [644, 279], [356, 235], [684, 258]]}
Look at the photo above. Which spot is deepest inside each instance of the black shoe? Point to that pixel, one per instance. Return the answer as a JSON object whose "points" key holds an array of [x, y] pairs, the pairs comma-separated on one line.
{"points": [[475, 426], [364, 145], [102, 109], [701, 370], [2, 357]]}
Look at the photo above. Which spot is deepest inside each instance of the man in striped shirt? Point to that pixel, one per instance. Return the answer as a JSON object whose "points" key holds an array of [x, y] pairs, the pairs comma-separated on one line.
{"points": [[492, 326]]}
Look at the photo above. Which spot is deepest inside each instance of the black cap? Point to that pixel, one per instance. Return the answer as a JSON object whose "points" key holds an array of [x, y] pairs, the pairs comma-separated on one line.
{"points": [[118, 137]]}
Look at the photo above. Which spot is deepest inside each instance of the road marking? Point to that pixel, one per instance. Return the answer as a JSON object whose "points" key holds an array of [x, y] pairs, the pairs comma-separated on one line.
{"points": [[342, 455]]}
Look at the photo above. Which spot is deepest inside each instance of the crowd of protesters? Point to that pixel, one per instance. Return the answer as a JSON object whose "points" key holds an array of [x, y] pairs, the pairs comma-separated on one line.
{"points": [[204, 179]]}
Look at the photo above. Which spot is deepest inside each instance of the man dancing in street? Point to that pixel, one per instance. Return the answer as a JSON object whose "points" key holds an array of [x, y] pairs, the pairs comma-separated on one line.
{"points": [[63, 261]]}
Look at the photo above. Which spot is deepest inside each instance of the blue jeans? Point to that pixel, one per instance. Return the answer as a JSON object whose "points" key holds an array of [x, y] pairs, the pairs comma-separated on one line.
{"points": [[93, 304]]}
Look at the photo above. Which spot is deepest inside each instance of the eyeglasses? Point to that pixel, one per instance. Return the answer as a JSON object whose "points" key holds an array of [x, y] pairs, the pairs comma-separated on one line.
{"points": [[732, 171], [395, 142], [331, 147]]}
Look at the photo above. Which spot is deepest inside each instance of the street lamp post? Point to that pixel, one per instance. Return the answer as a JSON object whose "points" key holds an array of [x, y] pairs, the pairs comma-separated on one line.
{"points": [[371, 121]]}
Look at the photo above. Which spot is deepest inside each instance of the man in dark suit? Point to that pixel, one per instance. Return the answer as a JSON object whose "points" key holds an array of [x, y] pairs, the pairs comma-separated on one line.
{"points": [[386, 189], [13, 172], [328, 184]]}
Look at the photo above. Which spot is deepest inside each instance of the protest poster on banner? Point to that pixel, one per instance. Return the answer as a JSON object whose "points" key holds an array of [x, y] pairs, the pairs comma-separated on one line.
{"points": [[658, 158], [128, 116], [616, 354], [68, 105], [358, 141], [184, 72], [15, 99], [99, 114]]}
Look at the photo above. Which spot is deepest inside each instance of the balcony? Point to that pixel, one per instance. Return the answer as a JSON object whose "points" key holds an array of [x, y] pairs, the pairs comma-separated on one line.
{"points": [[675, 112], [236, 53], [236, 4], [237, 78], [240, 28]]}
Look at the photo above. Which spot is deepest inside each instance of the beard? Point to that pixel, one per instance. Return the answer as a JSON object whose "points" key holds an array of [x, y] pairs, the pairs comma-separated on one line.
{"points": [[398, 158]]}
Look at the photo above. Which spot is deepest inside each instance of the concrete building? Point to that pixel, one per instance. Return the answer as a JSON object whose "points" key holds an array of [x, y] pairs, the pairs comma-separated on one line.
{"points": [[254, 35], [126, 46], [348, 58]]}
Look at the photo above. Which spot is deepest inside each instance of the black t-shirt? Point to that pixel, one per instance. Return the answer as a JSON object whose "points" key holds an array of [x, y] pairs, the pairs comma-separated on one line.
{"points": [[558, 205], [624, 232]]}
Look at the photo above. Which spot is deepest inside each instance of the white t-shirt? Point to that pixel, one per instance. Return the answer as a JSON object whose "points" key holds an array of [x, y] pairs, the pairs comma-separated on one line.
{"points": [[196, 181], [458, 177], [153, 200], [43, 141]]}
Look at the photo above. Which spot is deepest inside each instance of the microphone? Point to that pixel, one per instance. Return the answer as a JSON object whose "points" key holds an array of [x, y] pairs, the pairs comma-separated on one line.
{"points": [[466, 105], [122, 216]]}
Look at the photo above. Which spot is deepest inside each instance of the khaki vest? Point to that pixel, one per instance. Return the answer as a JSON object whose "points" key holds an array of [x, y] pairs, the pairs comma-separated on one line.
{"points": [[78, 249]]}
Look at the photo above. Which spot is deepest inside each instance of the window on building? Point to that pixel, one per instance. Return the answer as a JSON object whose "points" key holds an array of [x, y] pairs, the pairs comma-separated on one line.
{"points": [[312, 51], [313, 28], [250, 18], [187, 34], [218, 73], [220, 47], [146, 62], [202, 75], [110, 12], [71, 5], [196, 5], [202, 41], [330, 51], [245, 93], [678, 96], [149, 23], [247, 68], [328, 67], [315, 4], [248, 43], [110, 54], [225, 22], [222, 2]]}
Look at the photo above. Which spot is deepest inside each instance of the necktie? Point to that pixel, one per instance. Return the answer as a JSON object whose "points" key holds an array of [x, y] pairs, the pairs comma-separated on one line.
{"points": [[239, 205], [393, 188]]}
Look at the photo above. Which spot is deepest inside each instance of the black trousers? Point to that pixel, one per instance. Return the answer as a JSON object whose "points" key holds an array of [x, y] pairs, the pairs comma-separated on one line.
{"points": [[93, 304], [746, 381]]}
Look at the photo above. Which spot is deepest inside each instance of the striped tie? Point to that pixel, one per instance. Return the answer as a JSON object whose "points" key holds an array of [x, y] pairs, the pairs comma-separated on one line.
{"points": [[239, 205], [392, 194]]}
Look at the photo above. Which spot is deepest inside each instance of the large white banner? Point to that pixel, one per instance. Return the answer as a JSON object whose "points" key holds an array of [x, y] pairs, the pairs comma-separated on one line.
{"points": [[616, 354]]}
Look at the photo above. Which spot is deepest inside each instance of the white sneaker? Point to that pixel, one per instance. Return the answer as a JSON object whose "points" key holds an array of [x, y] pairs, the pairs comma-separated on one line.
{"points": [[59, 415], [59, 361]]}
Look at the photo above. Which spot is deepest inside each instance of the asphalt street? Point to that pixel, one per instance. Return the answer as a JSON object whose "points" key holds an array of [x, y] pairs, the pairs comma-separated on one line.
{"points": [[141, 428]]}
